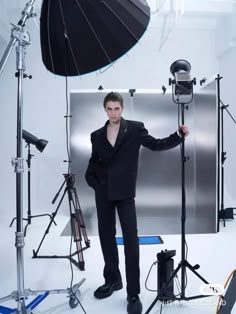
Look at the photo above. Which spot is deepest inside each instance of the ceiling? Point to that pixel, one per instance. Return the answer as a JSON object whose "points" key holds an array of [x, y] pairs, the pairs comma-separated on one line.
{"points": [[166, 15]]}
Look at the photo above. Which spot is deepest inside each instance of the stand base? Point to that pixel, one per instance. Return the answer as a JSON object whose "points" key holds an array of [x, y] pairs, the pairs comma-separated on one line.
{"points": [[166, 300], [80, 264], [29, 220], [73, 294], [183, 264], [227, 213]]}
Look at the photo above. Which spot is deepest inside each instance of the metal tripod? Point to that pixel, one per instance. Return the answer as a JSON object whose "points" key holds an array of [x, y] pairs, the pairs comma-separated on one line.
{"points": [[77, 223], [19, 36], [183, 264], [29, 215]]}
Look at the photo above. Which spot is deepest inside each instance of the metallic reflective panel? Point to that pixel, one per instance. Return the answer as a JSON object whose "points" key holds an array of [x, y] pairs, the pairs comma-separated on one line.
{"points": [[158, 199]]}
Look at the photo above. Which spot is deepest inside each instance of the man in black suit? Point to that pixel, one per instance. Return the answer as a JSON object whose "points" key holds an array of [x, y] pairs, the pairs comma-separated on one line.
{"points": [[112, 173]]}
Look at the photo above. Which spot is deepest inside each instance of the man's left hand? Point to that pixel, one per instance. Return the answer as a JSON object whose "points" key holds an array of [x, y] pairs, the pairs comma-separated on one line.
{"points": [[183, 129]]}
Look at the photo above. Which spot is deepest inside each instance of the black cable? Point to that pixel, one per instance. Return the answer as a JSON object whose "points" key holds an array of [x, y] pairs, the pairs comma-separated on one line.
{"points": [[161, 308], [186, 244], [176, 279], [178, 286], [68, 155], [68, 172], [148, 277], [186, 276], [67, 127]]}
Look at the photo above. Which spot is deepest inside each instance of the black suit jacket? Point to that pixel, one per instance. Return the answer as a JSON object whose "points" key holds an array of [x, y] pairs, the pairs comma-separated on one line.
{"points": [[115, 168]]}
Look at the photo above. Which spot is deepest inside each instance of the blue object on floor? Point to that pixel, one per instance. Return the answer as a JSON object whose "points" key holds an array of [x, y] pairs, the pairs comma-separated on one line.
{"points": [[143, 240], [30, 306]]}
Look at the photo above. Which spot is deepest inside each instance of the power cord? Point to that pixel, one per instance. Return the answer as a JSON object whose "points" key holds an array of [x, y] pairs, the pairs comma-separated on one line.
{"points": [[148, 277], [67, 117]]}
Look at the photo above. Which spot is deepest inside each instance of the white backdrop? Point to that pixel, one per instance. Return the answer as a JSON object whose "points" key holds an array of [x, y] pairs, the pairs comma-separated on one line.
{"points": [[145, 66]]}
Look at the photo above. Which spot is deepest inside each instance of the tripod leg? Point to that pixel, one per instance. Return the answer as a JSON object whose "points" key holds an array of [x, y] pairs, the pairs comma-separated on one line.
{"points": [[35, 253], [26, 229], [152, 305], [160, 293], [81, 220], [75, 226], [12, 222], [195, 272], [77, 239]]}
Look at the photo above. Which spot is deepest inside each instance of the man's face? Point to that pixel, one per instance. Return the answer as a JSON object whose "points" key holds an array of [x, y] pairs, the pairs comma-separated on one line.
{"points": [[114, 111]]}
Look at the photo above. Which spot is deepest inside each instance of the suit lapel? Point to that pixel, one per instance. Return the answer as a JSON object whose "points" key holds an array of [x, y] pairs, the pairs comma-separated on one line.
{"points": [[122, 131], [121, 134], [105, 139]]}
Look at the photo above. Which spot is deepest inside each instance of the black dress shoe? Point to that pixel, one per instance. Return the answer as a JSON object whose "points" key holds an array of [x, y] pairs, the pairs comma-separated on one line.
{"points": [[134, 305], [107, 289]]}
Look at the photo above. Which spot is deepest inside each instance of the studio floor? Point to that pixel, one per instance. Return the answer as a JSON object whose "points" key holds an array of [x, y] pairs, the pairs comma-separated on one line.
{"points": [[215, 253]]}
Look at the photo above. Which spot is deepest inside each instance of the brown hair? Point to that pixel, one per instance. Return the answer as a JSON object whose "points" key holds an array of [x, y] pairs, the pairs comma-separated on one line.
{"points": [[113, 96]]}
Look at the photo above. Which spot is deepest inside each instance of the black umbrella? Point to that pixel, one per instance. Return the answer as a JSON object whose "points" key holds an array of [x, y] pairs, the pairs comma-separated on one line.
{"points": [[81, 36]]}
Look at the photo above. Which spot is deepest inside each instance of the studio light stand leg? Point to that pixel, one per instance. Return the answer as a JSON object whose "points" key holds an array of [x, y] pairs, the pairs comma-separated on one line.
{"points": [[73, 295], [19, 36], [183, 264]]}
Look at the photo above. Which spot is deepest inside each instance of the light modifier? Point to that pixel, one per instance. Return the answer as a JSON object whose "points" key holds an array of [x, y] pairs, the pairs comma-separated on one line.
{"points": [[180, 69], [82, 36], [40, 144]]}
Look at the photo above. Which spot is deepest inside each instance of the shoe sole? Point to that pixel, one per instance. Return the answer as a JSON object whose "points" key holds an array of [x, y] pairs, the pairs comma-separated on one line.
{"points": [[116, 287], [140, 310]]}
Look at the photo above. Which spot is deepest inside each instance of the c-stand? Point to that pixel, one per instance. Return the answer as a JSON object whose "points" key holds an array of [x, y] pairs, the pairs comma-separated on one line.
{"points": [[183, 264], [19, 37], [77, 223]]}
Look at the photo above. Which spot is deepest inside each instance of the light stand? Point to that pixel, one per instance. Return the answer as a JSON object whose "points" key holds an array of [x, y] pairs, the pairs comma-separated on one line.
{"points": [[29, 215], [223, 213], [181, 88], [40, 146], [19, 36]]}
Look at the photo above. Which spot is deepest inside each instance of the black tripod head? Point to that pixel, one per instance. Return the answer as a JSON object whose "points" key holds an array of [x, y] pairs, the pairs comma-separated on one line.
{"points": [[69, 179]]}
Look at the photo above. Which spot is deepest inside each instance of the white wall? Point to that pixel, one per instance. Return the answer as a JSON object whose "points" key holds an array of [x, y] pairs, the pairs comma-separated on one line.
{"points": [[44, 101]]}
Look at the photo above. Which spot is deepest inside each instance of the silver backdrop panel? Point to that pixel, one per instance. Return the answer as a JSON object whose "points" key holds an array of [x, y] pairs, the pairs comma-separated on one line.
{"points": [[158, 199]]}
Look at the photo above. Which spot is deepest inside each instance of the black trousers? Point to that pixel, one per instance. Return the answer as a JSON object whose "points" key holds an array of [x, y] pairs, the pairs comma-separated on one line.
{"points": [[106, 213]]}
